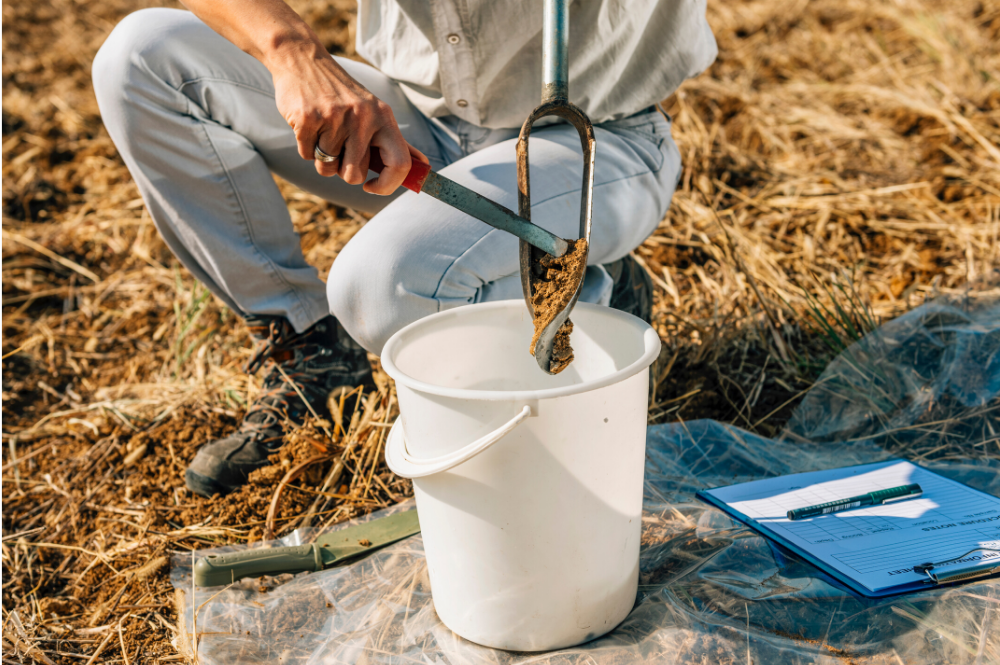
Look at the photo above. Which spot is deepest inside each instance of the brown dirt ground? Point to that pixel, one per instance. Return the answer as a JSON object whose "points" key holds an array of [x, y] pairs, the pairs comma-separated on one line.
{"points": [[834, 142]]}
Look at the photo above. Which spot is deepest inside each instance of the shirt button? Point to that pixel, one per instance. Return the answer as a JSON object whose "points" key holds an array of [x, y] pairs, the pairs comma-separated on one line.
{"points": [[454, 39], [462, 103]]}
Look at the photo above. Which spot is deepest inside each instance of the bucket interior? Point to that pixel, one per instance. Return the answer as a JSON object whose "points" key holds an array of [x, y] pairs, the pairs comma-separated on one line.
{"points": [[485, 348]]}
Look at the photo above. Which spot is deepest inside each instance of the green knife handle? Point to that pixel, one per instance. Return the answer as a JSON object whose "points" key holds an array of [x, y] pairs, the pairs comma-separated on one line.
{"points": [[219, 569]]}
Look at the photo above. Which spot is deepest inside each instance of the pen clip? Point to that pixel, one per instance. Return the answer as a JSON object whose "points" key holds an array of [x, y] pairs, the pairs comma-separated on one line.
{"points": [[900, 498]]}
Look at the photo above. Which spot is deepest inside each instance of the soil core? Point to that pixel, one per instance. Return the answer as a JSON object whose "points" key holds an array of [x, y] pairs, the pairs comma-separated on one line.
{"points": [[554, 285]]}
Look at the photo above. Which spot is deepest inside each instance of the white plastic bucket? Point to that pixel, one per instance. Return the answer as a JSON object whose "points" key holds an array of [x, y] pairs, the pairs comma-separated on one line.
{"points": [[529, 486]]}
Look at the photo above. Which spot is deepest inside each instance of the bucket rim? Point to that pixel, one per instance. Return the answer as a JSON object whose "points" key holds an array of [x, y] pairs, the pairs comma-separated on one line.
{"points": [[651, 343]]}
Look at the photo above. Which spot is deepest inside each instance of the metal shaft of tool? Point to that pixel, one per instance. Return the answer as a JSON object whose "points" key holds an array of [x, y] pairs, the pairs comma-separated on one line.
{"points": [[422, 179], [555, 101], [491, 212], [555, 50]]}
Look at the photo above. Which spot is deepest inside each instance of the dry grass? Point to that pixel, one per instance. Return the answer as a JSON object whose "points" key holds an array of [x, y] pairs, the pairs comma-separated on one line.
{"points": [[834, 142]]}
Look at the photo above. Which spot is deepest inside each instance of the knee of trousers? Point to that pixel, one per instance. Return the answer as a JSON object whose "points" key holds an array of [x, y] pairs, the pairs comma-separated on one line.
{"points": [[378, 285], [140, 44]]}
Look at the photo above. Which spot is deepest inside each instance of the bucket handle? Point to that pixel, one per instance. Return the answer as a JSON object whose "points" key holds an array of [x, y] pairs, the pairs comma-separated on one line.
{"points": [[402, 464]]}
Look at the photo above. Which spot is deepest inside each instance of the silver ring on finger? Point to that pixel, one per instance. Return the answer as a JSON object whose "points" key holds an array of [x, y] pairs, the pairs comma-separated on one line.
{"points": [[322, 156]]}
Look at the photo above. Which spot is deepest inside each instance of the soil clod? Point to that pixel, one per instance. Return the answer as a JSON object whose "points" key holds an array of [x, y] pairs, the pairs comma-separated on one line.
{"points": [[556, 280]]}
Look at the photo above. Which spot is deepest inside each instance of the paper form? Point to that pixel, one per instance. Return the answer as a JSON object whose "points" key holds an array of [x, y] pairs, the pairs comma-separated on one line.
{"points": [[877, 546]]}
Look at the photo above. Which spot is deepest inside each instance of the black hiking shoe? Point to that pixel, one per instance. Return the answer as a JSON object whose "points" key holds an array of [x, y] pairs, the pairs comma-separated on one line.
{"points": [[633, 289], [319, 360]]}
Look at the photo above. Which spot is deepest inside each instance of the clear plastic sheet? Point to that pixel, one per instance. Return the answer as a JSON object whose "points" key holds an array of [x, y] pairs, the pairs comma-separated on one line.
{"points": [[711, 590], [943, 356]]}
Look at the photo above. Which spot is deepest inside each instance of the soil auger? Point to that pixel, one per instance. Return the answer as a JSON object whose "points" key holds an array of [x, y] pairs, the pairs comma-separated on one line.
{"points": [[550, 345]]}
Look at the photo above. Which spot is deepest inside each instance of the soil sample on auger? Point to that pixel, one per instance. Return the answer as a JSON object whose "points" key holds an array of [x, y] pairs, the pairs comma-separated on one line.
{"points": [[556, 280]]}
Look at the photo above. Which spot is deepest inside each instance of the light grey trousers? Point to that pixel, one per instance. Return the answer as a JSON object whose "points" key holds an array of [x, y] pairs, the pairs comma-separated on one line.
{"points": [[195, 120]]}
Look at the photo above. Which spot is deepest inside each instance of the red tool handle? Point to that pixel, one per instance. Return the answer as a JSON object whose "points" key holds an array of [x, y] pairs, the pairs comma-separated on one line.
{"points": [[414, 179]]}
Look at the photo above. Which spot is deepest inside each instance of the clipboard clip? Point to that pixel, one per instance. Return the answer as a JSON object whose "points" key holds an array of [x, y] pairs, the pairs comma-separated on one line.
{"points": [[960, 574]]}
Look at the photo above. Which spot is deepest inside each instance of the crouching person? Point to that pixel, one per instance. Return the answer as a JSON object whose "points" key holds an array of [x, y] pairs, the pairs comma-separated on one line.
{"points": [[205, 105]]}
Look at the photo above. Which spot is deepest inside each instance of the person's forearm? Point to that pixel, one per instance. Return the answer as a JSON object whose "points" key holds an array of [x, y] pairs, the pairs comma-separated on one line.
{"points": [[333, 116], [269, 30]]}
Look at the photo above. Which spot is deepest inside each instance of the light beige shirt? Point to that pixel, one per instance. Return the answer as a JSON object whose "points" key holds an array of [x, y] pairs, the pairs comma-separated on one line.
{"points": [[481, 60]]}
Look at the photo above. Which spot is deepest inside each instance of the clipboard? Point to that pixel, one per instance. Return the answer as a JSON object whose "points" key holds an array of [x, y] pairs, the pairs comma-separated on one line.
{"points": [[949, 535]]}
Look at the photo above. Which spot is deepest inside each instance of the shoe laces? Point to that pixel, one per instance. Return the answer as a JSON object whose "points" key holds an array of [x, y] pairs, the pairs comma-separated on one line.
{"points": [[280, 332], [280, 399]]}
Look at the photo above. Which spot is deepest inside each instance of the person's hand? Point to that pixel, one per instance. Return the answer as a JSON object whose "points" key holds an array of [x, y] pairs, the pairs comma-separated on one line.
{"points": [[322, 103], [326, 107]]}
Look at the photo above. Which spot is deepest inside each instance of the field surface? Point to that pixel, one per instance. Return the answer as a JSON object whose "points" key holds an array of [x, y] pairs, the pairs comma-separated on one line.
{"points": [[841, 166]]}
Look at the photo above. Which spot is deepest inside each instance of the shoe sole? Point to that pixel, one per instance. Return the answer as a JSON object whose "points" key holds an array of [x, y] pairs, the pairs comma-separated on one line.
{"points": [[204, 485]]}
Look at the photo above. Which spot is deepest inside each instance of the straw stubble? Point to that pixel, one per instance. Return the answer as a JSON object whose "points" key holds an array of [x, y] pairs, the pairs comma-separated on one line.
{"points": [[833, 142]]}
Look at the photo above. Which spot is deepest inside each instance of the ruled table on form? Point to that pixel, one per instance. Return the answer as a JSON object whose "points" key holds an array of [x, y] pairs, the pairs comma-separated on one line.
{"points": [[936, 548], [875, 545]]}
